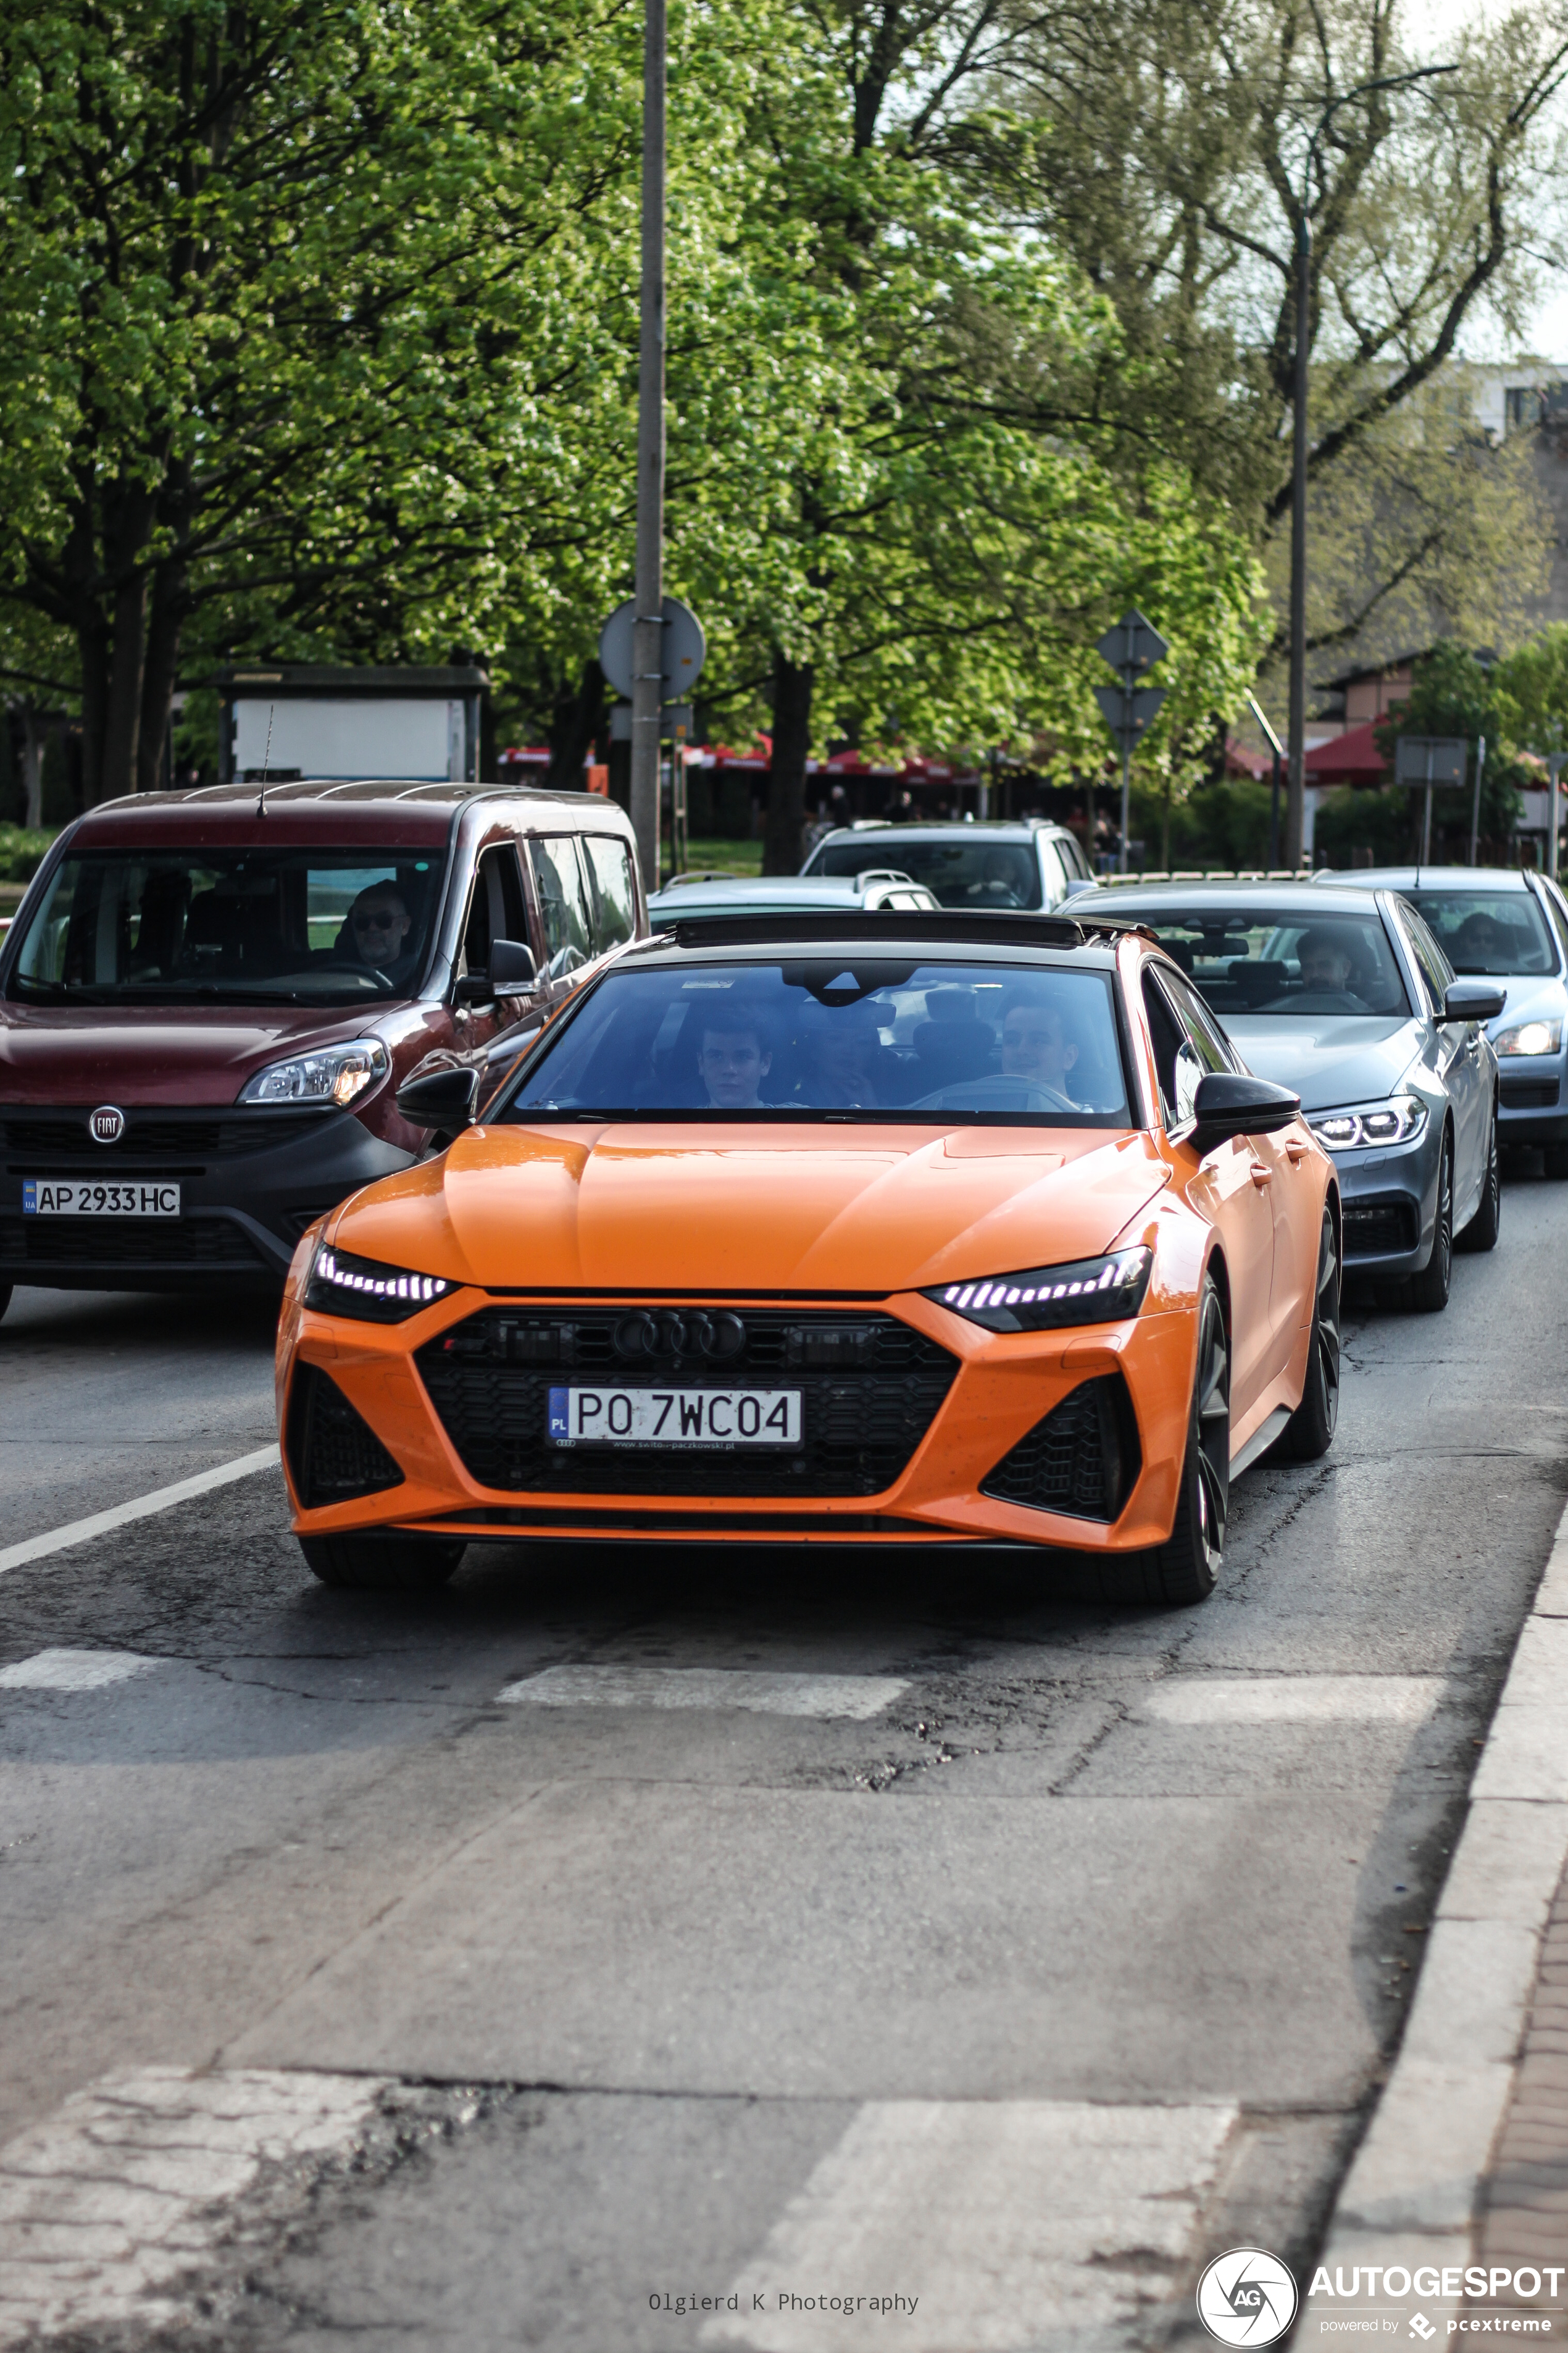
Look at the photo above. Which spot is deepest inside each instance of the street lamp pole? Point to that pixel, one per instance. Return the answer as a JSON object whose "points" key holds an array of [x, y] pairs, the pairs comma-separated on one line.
{"points": [[1296, 797], [647, 629]]}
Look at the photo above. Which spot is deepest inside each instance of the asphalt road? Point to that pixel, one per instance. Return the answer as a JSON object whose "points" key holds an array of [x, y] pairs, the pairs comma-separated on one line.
{"points": [[858, 1927]]}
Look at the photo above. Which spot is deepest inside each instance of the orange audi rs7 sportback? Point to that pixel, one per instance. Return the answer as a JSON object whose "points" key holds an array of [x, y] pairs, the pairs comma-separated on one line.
{"points": [[925, 1229]]}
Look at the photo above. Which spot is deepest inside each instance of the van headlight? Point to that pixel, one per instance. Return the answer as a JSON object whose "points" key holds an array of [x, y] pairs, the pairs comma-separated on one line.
{"points": [[1042, 1298], [333, 1074], [1398, 1119]]}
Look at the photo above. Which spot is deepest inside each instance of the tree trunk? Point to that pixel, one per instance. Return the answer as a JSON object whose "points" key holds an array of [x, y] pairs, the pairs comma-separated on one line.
{"points": [[781, 848], [127, 674], [161, 670], [1165, 830], [32, 767], [92, 648], [576, 718]]}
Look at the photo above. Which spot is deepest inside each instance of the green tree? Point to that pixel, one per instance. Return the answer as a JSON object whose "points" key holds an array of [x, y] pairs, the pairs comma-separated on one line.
{"points": [[315, 346], [1452, 695]]}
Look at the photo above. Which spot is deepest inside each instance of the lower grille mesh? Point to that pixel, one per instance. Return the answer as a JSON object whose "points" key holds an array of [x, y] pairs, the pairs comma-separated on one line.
{"points": [[1379, 1229], [125, 1241], [333, 1453], [1083, 1459], [870, 1387]]}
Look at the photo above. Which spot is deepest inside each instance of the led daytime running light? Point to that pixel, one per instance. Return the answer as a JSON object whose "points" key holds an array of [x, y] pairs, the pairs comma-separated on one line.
{"points": [[1397, 1120], [1087, 1291], [341, 1285]]}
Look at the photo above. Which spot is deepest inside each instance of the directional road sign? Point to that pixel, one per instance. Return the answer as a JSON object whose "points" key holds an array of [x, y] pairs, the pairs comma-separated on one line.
{"points": [[1133, 646], [1128, 713], [683, 649]]}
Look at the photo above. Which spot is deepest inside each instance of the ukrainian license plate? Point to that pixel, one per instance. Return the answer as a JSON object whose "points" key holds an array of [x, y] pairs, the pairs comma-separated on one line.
{"points": [[66, 1196], [711, 1419]]}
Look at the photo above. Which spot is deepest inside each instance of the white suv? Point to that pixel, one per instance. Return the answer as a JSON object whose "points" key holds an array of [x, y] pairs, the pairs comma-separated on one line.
{"points": [[996, 866]]}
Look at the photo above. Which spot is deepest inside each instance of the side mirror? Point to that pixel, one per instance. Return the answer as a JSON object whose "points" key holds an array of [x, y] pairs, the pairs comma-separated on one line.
{"points": [[441, 1099], [1473, 1000], [512, 968], [1233, 1102]]}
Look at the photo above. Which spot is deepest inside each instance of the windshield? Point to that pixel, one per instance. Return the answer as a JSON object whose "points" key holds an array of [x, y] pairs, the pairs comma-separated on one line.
{"points": [[167, 926], [968, 874], [985, 1043], [1257, 959], [1501, 932]]}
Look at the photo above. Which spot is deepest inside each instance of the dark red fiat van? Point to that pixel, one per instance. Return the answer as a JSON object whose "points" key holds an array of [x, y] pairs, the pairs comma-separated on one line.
{"points": [[209, 999]]}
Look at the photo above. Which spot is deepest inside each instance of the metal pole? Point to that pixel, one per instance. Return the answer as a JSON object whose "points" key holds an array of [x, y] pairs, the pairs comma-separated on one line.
{"points": [[1274, 813], [1427, 815], [1476, 804], [1296, 801], [1556, 766], [1126, 804], [648, 666]]}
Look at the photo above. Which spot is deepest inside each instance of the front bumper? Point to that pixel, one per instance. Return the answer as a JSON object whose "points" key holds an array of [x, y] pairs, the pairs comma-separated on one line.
{"points": [[250, 1182], [983, 1436], [1389, 1203], [1532, 1099]]}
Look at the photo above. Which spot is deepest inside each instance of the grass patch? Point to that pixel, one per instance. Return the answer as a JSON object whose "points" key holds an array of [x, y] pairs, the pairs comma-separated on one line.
{"points": [[720, 857]]}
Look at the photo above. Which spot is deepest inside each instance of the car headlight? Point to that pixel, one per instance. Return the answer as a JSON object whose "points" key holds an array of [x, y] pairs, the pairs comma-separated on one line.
{"points": [[1398, 1119], [1086, 1291], [334, 1074], [1529, 1037], [341, 1285]]}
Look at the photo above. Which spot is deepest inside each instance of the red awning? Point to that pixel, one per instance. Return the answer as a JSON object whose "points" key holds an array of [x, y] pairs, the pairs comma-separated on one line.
{"points": [[1350, 759]]}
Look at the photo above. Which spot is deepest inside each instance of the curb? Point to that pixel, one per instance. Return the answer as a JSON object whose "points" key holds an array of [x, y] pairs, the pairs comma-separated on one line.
{"points": [[1411, 2194]]}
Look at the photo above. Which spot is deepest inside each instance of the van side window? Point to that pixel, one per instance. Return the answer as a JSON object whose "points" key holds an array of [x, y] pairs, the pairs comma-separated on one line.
{"points": [[614, 892], [565, 906], [496, 910]]}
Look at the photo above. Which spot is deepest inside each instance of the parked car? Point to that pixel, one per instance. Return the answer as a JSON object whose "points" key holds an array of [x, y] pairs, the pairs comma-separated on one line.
{"points": [[989, 867], [1505, 924], [209, 999], [693, 897], [1347, 997], [1060, 1293]]}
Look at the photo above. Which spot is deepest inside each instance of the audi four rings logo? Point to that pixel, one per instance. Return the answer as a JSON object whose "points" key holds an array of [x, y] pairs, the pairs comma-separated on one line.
{"points": [[106, 1125], [684, 1333]]}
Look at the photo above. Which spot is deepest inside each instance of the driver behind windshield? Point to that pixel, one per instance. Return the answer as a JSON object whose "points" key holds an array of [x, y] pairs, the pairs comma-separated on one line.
{"points": [[376, 932], [1328, 964], [734, 1061], [1036, 1045]]}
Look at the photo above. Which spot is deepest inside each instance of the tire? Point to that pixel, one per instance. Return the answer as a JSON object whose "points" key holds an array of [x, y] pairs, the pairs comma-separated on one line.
{"points": [[1481, 1233], [1185, 1568], [1309, 1432], [1429, 1288], [1556, 1158], [381, 1564]]}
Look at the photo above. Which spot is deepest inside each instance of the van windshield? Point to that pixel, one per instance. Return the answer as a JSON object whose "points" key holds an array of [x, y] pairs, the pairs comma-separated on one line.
{"points": [[963, 872], [243, 926]]}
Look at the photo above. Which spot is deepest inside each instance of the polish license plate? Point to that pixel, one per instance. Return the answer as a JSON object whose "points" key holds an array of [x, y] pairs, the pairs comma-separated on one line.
{"points": [[68, 1197], [713, 1420]]}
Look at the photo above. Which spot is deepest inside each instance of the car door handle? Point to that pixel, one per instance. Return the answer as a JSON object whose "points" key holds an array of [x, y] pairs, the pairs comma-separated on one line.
{"points": [[1261, 1175], [1296, 1152]]}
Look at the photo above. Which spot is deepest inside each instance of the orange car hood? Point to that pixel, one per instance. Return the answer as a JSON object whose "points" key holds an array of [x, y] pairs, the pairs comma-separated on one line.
{"points": [[713, 1209]]}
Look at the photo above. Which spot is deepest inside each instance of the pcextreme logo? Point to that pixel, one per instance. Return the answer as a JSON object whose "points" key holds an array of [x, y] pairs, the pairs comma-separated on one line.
{"points": [[1246, 2297]]}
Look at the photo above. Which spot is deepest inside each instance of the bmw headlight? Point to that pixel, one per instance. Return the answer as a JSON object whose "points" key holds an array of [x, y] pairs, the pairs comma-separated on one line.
{"points": [[1398, 1119], [1085, 1290], [334, 1074], [1529, 1037], [341, 1285]]}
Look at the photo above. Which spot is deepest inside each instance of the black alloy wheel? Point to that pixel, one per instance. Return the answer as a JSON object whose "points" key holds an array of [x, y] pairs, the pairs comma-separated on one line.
{"points": [[1481, 1233], [1309, 1432], [1429, 1288], [377, 1564], [1185, 1568]]}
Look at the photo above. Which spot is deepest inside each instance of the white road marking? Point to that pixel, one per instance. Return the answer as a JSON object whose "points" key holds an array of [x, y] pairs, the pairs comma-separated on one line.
{"points": [[858, 1696], [141, 1507], [1292, 1699], [123, 2189], [74, 1671], [1012, 2224]]}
